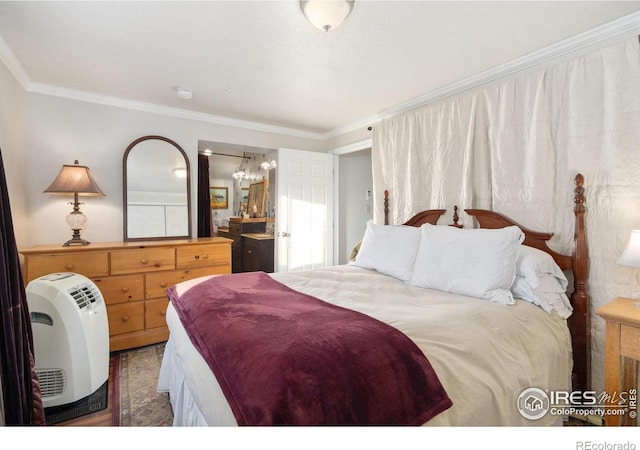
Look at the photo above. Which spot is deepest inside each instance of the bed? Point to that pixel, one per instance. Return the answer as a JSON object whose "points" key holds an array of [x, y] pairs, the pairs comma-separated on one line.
{"points": [[484, 353]]}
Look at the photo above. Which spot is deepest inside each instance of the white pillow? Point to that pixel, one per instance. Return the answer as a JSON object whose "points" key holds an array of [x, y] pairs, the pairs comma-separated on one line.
{"points": [[389, 249], [550, 298], [474, 262], [533, 264]]}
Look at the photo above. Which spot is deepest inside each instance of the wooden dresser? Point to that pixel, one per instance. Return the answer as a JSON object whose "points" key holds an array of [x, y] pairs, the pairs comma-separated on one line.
{"points": [[133, 278]]}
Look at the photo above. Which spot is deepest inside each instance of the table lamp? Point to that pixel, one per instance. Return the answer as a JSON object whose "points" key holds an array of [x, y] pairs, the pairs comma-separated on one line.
{"points": [[631, 255], [76, 180]]}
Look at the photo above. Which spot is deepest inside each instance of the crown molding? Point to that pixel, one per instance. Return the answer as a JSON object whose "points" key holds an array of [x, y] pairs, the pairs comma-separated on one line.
{"points": [[607, 34], [14, 66], [46, 89], [354, 147]]}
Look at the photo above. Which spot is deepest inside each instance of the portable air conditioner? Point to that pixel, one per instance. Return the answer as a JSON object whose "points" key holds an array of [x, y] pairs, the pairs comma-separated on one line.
{"points": [[70, 336]]}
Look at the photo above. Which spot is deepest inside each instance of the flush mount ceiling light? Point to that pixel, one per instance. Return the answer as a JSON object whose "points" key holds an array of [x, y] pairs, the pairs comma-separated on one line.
{"points": [[184, 93], [326, 14]]}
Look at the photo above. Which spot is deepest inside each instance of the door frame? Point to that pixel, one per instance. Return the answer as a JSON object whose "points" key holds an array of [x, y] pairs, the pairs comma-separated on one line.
{"points": [[337, 152]]}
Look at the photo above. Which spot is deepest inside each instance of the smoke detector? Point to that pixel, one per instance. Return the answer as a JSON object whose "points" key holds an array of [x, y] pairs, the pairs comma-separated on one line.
{"points": [[184, 93]]}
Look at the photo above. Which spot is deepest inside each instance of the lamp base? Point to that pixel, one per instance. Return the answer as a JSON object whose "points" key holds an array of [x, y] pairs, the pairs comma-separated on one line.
{"points": [[76, 240]]}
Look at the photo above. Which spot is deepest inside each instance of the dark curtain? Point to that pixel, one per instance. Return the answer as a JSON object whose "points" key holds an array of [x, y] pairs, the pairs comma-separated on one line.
{"points": [[21, 396], [204, 203]]}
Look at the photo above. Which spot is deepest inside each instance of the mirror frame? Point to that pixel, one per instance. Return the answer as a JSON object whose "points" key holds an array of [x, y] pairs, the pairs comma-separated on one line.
{"points": [[124, 190], [253, 193]]}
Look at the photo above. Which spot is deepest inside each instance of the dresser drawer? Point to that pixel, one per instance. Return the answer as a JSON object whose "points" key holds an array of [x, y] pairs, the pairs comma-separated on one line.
{"points": [[121, 288], [125, 317], [89, 264], [158, 283], [235, 228], [203, 255], [156, 312], [142, 260], [630, 342]]}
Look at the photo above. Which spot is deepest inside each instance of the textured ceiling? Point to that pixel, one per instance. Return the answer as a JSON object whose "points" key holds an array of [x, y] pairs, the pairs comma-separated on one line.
{"points": [[261, 61]]}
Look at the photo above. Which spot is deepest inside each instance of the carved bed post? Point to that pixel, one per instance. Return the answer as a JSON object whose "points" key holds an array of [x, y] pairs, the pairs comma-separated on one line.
{"points": [[455, 218], [580, 319], [386, 207]]}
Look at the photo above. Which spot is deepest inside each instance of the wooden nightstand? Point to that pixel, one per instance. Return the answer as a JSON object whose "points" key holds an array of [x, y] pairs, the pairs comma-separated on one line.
{"points": [[622, 352]]}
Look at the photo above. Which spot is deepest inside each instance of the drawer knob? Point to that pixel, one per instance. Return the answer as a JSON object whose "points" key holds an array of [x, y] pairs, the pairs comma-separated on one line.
{"points": [[144, 261], [162, 313], [156, 265], [205, 256], [125, 289], [125, 318], [163, 285], [70, 266]]}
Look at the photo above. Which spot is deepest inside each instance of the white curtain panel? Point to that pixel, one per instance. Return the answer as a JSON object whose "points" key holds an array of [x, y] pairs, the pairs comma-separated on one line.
{"points": [[516, 147]]}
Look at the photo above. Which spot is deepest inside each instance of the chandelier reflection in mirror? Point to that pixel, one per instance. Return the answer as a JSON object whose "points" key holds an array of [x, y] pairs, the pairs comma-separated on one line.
{"points": [[268, 165]]}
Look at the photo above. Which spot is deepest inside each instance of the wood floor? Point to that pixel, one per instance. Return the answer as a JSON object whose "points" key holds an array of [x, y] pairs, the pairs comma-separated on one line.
{"points": [[107, 417]]}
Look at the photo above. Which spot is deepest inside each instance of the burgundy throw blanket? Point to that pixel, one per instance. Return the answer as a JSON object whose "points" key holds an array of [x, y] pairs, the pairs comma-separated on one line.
{"points": [[286, 358]]}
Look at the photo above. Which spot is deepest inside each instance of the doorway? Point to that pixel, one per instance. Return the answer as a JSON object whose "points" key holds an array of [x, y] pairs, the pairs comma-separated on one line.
{"points": [[355, 200]]}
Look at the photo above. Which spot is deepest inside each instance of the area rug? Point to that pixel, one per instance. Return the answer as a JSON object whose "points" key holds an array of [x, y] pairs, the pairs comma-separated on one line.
{"points": [[87, 405], [140, 404]]}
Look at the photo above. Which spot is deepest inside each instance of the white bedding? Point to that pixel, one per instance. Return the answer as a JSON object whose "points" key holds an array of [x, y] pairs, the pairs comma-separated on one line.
{"points": [[484, 353]]}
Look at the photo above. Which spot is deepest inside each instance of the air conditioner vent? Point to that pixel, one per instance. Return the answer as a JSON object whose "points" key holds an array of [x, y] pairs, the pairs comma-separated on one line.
{"points": [[85, 294], [51, 382]]}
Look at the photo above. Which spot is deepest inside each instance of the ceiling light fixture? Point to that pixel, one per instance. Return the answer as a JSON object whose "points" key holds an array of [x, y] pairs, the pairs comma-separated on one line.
{"points": [[184, 93], [239, 173], [326, 15], [264, 165]]}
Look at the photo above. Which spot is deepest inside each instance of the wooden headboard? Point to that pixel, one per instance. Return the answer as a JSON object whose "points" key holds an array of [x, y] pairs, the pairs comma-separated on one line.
{"points": [[577, 263]]}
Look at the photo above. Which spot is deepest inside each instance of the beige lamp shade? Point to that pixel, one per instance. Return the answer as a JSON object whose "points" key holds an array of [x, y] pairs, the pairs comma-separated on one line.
{"points": [[74, 179], [631, 255]]}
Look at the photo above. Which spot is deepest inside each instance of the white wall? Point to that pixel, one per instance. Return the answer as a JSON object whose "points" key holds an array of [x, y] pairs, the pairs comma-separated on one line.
{"points": [[354, 208], [61, 130]]}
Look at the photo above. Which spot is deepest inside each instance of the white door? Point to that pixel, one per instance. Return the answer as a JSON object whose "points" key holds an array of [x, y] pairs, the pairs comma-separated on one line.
{"points": [[304, 210]]}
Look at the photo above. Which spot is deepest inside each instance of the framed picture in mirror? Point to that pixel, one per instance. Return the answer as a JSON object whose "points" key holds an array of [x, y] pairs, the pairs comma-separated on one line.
{"points": [[219, 197]]}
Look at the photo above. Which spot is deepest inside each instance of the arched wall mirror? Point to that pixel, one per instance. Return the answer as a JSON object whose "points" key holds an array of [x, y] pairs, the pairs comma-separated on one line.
{"points": [[156, 190]]}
